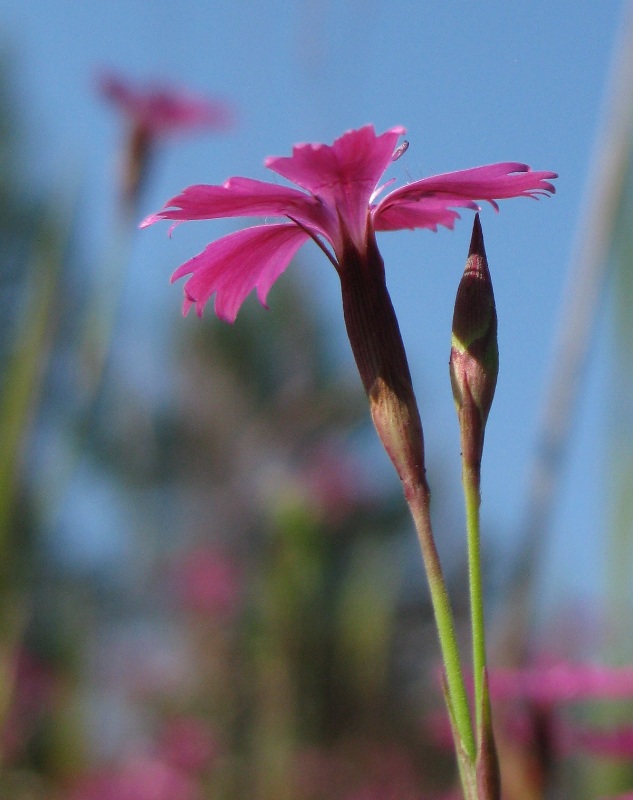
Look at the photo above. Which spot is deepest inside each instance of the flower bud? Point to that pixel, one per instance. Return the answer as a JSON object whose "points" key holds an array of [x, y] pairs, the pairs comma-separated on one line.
{"points": [[474, 361], [377, 346]]}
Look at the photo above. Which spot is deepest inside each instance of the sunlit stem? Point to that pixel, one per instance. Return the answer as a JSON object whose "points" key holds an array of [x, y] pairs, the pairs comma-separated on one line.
{"points": [[472, 500], [419, 503]]}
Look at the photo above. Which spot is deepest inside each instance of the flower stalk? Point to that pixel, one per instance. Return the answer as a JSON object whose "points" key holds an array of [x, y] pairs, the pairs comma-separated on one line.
{"points": [[474, 364], [379, 352]]}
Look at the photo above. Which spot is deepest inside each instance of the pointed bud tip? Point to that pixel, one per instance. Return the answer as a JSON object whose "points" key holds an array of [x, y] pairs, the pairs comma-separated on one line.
{"points": [[477, 240]]}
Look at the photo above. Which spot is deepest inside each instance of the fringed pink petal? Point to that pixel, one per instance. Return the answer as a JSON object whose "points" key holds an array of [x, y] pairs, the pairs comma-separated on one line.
{"points": [[429, 213], [491, 183], [241, 197], [234, 265]]}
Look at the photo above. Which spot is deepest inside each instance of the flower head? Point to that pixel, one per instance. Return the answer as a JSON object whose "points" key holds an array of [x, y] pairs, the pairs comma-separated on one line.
{"points": [[152, 113], [162, 110], [336, 206]]}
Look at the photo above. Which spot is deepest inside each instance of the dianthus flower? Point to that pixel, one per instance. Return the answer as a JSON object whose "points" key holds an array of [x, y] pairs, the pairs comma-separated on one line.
{"points": [[161, 110], [152, 113], [337, 207]]}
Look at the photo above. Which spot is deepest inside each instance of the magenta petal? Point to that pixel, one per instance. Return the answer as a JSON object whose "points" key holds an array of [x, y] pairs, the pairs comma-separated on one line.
{"points": [[427, 213], [236, 264], [356, 156], [491, 183], [343, 175], [241, 197]]}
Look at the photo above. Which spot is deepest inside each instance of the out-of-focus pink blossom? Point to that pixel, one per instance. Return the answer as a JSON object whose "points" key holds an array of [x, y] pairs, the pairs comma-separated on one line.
{"points": [[334, 480], [531, 707], [365, 771], [337, 210], [153, 113], [32, 695], [380, 791], [542, 693], [562, 683], [614, 743], [162, 110], [207, 582], [139, 779], [627, 796], [189, 744]]}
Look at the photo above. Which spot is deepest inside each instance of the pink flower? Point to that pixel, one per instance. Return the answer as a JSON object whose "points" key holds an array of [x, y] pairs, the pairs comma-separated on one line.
{"points": [[337, 208], [162, 110], [153, 113], [334, 481], [207, 582], [140, 778], [32, 697], [628, 796], [615, 743], [188, 744], [562, 683]]}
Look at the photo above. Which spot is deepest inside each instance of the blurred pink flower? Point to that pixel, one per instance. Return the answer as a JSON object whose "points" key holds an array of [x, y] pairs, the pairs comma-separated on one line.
{"points": [[562, 682], [537, 696], [206, 581], [138, 779], [188, 744], [32, 697], [614, 743], [155, 112], [334, 480], [164, 110], [360, 770], [531, 708], [627, 796], [337, 208]]}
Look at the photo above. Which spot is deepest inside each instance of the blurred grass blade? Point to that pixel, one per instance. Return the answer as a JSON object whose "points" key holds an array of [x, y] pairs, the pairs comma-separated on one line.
{"points": [[586, 280], [26, 367]]}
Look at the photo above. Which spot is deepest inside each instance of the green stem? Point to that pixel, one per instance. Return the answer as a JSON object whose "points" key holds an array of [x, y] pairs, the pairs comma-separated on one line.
{"points": [[420, 509], [472, 499]]}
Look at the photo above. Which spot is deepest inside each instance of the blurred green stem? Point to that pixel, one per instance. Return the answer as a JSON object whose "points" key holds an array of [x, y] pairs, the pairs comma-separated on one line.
{"points": [[98, 325], [94, 340], [26, 367]]}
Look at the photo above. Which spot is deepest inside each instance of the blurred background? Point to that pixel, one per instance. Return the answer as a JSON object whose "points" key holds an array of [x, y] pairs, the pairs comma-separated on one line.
{"points": [[209, 583]]}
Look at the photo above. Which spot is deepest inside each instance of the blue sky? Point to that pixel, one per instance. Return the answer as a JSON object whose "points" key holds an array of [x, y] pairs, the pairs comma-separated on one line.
{"points": [[472, 82]]}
